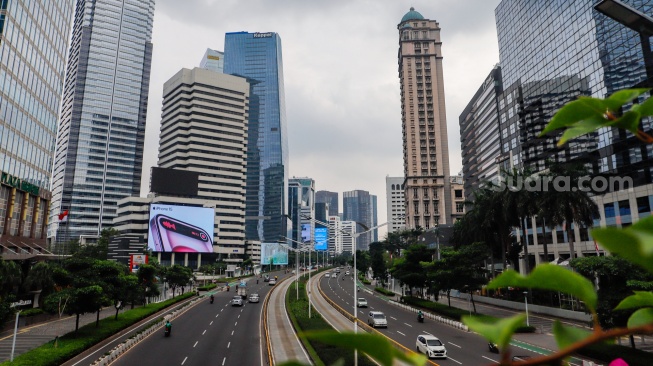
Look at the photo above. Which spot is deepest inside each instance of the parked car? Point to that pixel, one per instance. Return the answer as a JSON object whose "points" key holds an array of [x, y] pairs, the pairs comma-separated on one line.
{"points": [[377, 319], [361, 302], [430, 346], [272, 282], [253, 298], [237, 301]]}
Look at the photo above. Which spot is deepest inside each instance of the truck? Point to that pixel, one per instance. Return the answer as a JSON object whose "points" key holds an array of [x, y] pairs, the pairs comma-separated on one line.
{"points": [[242, 290]]}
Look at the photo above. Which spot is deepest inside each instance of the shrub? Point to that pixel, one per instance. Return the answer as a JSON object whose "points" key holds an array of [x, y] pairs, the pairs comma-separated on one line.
{"points": [[441, 309], [31, 312], [207, 287], [384, 291]]}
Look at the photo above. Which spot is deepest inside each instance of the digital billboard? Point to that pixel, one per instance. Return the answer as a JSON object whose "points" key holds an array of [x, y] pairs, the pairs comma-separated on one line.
{"points": [[321, 235], [306, 233], [273, 253], [184, 229], [174, 181]]}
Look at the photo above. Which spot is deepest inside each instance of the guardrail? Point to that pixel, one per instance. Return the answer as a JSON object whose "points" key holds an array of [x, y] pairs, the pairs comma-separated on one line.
{"points": [[364, 325]]}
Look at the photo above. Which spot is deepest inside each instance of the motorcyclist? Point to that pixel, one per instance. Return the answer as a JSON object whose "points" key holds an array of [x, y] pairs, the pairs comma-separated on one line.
{"points": [[212, 298], [420, 315], [168, 327]]}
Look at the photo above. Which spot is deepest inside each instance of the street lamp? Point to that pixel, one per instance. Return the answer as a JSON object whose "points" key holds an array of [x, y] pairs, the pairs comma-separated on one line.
{"points": [[635, 20], [526, 305]]}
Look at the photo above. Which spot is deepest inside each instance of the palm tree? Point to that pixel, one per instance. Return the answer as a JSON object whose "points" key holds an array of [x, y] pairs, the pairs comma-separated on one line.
{"points": [[572, 205], [521, 203]]}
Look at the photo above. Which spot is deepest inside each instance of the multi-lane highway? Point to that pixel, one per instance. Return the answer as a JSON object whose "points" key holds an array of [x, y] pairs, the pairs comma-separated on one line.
{"points": [[208, 334], [463, 348]]}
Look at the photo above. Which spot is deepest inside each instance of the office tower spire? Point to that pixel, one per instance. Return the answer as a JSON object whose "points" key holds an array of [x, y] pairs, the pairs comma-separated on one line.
{"points": [[424, 123], [99, 153]]}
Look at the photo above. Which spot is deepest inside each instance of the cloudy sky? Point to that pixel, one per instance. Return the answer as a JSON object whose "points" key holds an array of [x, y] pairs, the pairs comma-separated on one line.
{"points": [[341, 79]]}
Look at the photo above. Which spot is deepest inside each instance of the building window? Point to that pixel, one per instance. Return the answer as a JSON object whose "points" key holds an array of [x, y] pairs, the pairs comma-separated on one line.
{"points": [[643, 205], [624, 208], [459, 193], [608, 209], [460, 207]]}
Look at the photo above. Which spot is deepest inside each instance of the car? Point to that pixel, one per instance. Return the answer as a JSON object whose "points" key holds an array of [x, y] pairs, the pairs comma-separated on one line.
{"points": [[338, 270], [361, 302], [272, 282], [376, 319], [237, 301], [266, 278], [293, 271], [327, 275], [253, 298], [431, 346], [347, 273]]}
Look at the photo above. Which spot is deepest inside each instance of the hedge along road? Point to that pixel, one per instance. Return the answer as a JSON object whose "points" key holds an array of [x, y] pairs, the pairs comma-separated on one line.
{"points": [[215, 334]]}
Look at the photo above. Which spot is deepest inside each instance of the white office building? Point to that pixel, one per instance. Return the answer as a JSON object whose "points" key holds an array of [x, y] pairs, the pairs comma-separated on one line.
{"points": [[347, 232], [396, 210]]}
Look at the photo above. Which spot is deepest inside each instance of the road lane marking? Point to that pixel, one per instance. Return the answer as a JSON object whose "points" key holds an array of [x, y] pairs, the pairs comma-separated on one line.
{"points": [[428, 333], [211, 323], [185, 358], [204, 332], [401, 333], [229, 344], [393, 317], [223, 361], [235, 324], [460, 363], [221, 310], [238, 316], [232, 332], [489, 359], [453, 344], [196, 342], [408, 325]]}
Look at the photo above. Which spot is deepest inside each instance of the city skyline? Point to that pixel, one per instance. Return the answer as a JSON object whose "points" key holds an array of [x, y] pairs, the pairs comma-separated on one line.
{"points": [[333, 101]]}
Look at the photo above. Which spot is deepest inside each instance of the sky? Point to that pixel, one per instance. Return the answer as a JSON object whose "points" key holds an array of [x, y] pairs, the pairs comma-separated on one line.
{"points": [[340, 74]]}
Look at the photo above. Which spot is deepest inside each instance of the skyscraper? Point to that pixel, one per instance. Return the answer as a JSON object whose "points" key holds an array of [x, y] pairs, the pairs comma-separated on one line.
{"points": [[204, 130], [213, 60], [31, 77], [394, 191], [99, 153], [257, 57], [424, 123], [34, 38], [358, 207], [331, 198]]}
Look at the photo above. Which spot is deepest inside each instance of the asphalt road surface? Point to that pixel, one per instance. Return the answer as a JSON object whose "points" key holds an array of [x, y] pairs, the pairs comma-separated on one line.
{"points": [[463, 348], [208, 334]]}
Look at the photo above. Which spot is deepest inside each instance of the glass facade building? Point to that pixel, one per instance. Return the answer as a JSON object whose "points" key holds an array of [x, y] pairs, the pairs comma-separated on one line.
{"points": [[257, 57], [33, 44], [330, 198], [360, 206], [99, 152]]}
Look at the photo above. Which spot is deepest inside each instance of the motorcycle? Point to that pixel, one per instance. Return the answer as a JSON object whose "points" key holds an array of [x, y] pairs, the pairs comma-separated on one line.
{"points": [[211, 299], [167, 331], [420, 318]]}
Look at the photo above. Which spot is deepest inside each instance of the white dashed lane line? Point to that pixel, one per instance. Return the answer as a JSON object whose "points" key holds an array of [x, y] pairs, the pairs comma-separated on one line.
{"points": [[408, 325], [232, 332], [204, 332], [489, 359], [401, 333], [393, 318], [224, 360], [453, 344], [211, 323], [195, 345], [229, 344]]}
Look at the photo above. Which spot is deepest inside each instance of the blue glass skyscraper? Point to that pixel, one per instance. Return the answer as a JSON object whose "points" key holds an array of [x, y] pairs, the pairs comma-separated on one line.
{"points": [[257, 57]]}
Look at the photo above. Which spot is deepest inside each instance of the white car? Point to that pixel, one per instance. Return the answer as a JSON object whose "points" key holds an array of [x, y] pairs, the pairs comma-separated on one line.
{"points": [[361, 302], [376, 319], [237, 301], [272, 282], [327, 275], [253, 298], [347, 273], [430, 346]]}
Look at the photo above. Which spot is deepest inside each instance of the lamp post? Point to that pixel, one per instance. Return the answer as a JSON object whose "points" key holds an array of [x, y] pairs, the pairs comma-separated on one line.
{"points": [[526, 305], [635, 20], [353, 236]]}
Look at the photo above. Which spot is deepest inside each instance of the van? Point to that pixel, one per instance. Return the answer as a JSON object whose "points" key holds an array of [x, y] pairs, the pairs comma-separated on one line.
{"points": [[376, 319]]}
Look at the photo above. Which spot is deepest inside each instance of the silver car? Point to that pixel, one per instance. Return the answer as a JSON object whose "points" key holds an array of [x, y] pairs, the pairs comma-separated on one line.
{"points": [[237, 301], [253, 298], [377, 319]]}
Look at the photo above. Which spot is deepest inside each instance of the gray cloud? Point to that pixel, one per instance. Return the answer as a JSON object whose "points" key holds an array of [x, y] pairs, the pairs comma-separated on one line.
{"points": [[340, 69]]}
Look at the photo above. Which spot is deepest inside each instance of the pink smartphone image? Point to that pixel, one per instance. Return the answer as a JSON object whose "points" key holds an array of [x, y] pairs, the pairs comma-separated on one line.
{"points": [[172, 235]]}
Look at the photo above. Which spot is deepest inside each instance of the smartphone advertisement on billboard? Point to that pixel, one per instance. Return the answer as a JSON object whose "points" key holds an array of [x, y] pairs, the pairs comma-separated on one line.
{"points": [[181, 229], [306, 233], [321, 235], [273, 253]]}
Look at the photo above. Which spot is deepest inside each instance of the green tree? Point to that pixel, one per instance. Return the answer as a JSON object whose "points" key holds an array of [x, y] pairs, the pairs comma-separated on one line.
{"points": [[147, 282], [461, 269], [378, 262], [408, 269], [363, 262], [178, 276]]}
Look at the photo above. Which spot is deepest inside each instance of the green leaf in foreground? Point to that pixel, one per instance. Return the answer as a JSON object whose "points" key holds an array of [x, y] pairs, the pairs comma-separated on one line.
{"points": [[641, 299], [495, 330], [375, 346], [551, 277], [646, 107], [641, 317], [576, 111], [583, 127], [635, 243], [566, 336], [621, 97]]}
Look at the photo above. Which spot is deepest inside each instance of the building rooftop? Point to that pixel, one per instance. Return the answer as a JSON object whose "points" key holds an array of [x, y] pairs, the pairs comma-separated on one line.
{"points": [[411, 15]]}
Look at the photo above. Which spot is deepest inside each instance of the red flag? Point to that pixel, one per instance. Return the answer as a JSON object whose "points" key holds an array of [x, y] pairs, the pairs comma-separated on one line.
{"points": [[63, 217]]}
